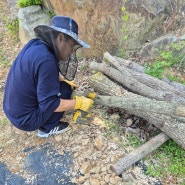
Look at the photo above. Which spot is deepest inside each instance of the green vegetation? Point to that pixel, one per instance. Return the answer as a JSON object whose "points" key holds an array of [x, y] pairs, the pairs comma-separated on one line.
{"points": [[13, 26], [131, 140], [3, 121], [125, 35], [50, 13], [3, 61], [110, 128], [168, 60], [169, 159], [25, 3]]}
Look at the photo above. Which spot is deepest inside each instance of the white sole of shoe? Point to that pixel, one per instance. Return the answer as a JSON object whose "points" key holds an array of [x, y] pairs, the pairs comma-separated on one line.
{"points": [[49, 135]]}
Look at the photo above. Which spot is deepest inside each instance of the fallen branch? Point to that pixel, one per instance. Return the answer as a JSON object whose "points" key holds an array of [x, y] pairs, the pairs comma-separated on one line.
{"points": [[170, 124], [139, 153], [128, 81]]}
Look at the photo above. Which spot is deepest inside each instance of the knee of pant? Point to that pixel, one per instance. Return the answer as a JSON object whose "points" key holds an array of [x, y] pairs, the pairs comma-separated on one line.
{"points": [[65, 90]]}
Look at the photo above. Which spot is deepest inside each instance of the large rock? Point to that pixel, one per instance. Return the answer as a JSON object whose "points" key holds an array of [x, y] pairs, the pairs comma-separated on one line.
{"points": [[29, 17], [152, 50], [101, 22], [151, 19]]}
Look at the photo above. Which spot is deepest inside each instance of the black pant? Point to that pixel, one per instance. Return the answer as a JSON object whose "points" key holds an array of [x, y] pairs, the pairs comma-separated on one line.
{"points": [[65, 90]]}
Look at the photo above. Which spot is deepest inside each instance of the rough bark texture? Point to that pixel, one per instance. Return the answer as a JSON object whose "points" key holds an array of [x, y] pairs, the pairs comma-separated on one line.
{"points": [[142, 84], [163, 106], [173, 127]]}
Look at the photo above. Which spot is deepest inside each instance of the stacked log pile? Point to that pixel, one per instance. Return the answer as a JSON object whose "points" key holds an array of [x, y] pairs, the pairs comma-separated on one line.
{"points": [[123, 84]]}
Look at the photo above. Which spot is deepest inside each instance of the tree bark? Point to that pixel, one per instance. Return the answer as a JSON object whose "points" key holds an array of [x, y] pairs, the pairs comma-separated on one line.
{"points": [[139, 153], [167, 116], [128, 81], [174, 128], [123, 84]]}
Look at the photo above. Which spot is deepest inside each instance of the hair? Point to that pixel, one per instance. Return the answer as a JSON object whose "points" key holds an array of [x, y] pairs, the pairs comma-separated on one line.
{"points": [[49, 35]]}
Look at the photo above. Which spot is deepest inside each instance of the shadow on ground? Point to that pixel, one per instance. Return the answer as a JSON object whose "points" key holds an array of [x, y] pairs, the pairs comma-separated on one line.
{"points": [[41, 165]]}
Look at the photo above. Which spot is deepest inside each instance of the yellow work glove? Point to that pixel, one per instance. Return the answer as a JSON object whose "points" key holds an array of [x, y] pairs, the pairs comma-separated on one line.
{"points": [[71, 83], [83, 103], [90, 94]]}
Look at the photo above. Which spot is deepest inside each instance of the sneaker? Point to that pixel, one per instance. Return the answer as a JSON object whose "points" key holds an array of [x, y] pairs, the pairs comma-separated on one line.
{"points": [[60, 128]]}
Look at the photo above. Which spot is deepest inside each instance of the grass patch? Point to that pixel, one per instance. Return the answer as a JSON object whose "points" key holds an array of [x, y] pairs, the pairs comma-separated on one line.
{"points": [[130, 140], [50, 13], [4, 121], [13, 26], [168, 60], [26, 3], [3, 61], [110, 128], [169, 159]]}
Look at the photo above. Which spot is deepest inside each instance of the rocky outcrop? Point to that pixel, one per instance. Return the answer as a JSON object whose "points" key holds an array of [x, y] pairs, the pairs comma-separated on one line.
{"points": [[151, 50], [29, 17], [101, 22]]}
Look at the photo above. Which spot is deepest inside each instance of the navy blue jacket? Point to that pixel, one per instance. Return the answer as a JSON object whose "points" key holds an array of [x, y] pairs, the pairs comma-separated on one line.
{"points": [[32, 86]]}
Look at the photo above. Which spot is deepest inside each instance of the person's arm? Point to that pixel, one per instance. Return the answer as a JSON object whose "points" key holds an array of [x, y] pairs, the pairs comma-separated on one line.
{"points": [[78, 102], [60, 77], [65, 105]]}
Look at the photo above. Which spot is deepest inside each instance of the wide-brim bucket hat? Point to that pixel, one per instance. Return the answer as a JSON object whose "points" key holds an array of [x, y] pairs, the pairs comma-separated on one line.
{"points": [[65, 25]]}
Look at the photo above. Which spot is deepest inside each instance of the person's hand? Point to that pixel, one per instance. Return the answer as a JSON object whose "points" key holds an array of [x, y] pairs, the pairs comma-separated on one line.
{"points": [[90, 94], [83, 103], [71, 83]]}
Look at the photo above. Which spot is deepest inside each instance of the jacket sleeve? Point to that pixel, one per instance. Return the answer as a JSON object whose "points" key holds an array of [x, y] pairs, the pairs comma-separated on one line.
{"points": [[48, 87]]}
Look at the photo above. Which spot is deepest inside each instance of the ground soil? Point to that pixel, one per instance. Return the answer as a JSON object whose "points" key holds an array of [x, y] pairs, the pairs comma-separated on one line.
{"points": [[79, 141]]}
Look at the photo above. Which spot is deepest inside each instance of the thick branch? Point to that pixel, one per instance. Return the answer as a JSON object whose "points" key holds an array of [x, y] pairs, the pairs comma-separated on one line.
{"points": [[172, 127], [129, 64], [142, 77], [128, 81], [143, 104], [139, 153]]}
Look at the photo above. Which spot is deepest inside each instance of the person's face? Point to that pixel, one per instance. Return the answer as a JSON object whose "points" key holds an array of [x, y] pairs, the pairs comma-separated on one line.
{"points": [[65, 47]]}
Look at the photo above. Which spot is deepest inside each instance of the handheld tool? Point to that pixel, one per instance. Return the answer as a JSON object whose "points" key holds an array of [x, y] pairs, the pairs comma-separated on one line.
{"points": [[81, 117]]}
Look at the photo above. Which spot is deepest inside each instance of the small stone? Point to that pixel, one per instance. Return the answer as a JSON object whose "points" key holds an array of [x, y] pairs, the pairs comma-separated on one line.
{"points": [[103, 169], [95, 170], [85, 168], [128, 179], [129, 122], [73, 180], [81, 179], [98, 143], [85, 141], [99, 122], [118, 179], [112, 180], [103, 183], [75, 155], [87, 175], [94, 181], [115, 117], [58, 138], [107, 178]]}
